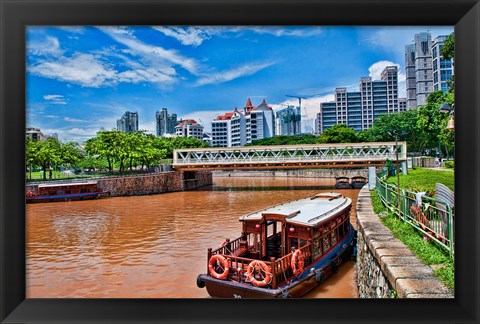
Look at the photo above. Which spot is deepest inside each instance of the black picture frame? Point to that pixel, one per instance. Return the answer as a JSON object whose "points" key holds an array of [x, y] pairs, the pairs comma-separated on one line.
{"points": [[16, 15]]}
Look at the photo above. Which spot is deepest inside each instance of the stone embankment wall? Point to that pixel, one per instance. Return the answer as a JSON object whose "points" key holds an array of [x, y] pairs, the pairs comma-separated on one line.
{"points": [[297, 173], [385, 265], [153, 183]]}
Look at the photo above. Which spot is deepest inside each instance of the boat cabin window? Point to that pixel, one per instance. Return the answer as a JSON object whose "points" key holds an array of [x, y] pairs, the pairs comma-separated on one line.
{"points": [[297, 243], [60, 192], [83, 190], [68, 191], [52, 192]]}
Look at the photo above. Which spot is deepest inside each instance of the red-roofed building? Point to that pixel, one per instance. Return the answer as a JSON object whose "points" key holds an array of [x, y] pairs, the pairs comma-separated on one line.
{"points": [[189, 128], [238, 128]]}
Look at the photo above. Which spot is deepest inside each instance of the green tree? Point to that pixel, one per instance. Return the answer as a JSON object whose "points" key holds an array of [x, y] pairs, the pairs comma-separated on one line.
{"points": [[31, 147], [48, 154], [432, 121], [286, 140], [339, 133], [448, 52], [71, 153]]}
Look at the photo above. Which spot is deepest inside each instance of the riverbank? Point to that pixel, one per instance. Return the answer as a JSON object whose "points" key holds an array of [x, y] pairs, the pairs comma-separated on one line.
{"points": [[430, 254], [386, 266], [143, 184]]}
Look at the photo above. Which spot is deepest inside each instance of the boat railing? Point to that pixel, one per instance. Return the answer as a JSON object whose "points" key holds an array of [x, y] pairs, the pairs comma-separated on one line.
{"points": [[231, 246], [283, 267], [280, 269]]}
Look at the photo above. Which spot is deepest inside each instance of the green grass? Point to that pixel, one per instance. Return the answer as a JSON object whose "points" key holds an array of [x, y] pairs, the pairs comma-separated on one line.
{"points": [[421, 179], [56, 175], [426, 251]]}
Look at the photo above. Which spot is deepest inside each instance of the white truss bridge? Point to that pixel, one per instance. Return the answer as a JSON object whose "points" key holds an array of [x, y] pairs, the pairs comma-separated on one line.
{"points": [[290, 156]]}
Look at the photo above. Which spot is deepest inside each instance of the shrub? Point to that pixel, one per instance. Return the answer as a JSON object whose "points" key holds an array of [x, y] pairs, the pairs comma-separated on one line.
{"points": [[449, 164]]}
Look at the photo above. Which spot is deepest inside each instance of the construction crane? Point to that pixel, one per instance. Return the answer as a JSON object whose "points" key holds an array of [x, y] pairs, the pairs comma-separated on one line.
{"points": [[303, 117]]}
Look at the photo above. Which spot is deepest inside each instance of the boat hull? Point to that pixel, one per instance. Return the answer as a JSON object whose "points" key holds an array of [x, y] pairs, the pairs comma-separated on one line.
{"points": [[343, 185], [59, 198], [312, 277]]}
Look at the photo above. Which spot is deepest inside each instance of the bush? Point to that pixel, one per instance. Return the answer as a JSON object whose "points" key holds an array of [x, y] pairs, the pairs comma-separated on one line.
{"points": [[449, 164]]}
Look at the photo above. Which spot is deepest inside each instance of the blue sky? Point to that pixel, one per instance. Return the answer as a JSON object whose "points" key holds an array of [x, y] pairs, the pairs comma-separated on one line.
{"points": [[80, 79]]}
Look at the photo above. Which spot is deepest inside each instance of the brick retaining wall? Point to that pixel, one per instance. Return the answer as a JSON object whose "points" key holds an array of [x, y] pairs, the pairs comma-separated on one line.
{"points": [[153, 183], [297, 173], [385, 265]]}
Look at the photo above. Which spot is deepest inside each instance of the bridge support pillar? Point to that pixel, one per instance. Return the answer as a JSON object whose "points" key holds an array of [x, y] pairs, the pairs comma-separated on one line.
{"points": [[372, 178], [404, 168]]}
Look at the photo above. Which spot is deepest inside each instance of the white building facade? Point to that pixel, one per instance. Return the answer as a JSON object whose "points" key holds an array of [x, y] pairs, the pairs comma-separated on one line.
{"points": [[241, 127], [189, 128]]}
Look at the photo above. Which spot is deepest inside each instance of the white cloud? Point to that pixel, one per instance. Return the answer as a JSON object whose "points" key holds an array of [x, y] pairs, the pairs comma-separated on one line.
{"points": [[75, 134], [277, 31], [225, 76], [72, 29], [155, 56], [50, 46], [205, 117], [193, 36], [83, 69], [74, 120], [196, 35], [55, 99]]}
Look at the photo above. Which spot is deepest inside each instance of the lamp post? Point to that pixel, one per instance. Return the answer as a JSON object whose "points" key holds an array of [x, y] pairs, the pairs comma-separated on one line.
{"points": [[396, 134]]}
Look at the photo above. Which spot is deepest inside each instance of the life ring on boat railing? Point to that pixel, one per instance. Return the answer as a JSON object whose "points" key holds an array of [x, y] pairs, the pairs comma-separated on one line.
{"points": [[297, 262], [29, 194], [212, 264], [268, 275]]}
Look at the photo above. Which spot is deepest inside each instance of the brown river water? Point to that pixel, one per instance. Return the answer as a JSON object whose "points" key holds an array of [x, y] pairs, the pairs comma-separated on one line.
{"points": [[153, 246]]}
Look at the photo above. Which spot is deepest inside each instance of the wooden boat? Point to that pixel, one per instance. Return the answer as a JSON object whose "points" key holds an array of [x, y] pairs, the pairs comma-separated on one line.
{"points": [[358, 182], [63, 192], [342, 183], [284, 251]]}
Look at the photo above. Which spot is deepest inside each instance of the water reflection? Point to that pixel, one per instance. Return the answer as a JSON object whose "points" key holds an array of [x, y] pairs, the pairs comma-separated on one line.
{"points": [[151, 246]]}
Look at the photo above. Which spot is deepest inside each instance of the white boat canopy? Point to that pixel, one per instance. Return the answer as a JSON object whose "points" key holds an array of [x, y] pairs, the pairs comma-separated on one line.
{"points": [[307, 212]]}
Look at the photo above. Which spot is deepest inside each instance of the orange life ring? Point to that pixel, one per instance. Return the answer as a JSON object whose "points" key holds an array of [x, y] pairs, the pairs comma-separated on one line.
{"points": [[297, 262], [213, 262], [29, 194], [268, 275]]}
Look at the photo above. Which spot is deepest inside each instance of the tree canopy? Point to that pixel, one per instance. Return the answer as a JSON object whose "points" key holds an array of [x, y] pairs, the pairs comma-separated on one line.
{"points": [[339, 133]]}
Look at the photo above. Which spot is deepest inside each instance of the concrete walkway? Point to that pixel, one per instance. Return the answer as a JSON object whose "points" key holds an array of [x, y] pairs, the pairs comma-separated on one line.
{"points": [[409, 276]]}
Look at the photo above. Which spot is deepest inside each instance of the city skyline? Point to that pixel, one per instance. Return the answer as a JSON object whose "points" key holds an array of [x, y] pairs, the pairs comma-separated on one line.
{"points": [[80, 79]]}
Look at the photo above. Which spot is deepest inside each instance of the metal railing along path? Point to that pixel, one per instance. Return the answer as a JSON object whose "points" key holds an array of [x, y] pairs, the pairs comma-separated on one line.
{"points": [[287, 156], [435, 218]]}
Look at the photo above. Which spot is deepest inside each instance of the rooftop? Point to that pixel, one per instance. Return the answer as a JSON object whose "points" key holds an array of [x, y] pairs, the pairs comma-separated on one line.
{"points": [[308, 211]]}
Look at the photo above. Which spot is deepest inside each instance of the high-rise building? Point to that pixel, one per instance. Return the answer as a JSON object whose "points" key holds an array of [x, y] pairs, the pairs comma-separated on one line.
{"points": [[189, 128], [442, 69], [261, 120], [226, 130], [165, 123], [421, 53], [402, 104], [241, 127], [358, 109], [128, 122], [288, 121], [390, 75], [423, 67], [34, 133], [411, 84]]}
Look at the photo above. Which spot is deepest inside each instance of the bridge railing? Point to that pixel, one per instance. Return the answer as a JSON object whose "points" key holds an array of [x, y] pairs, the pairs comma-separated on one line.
{"points": [[291, 153], [435, 218]]}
